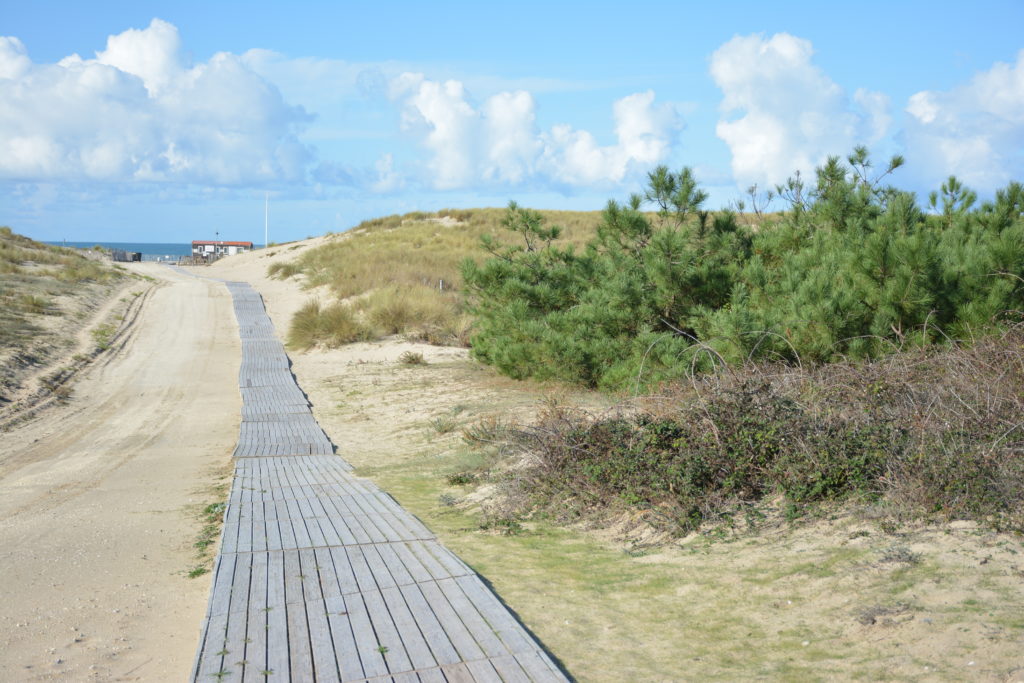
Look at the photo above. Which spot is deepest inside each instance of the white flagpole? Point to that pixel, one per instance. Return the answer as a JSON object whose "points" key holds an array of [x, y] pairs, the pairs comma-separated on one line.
{"points": [[266, 218]]}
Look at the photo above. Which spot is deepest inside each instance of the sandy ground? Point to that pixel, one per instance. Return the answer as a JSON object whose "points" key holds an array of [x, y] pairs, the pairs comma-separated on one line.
{"points": [[98, 498]]}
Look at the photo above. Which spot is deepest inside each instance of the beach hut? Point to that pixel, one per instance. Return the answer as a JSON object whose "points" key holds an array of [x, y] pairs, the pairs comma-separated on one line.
{"points": [[211, 250]]}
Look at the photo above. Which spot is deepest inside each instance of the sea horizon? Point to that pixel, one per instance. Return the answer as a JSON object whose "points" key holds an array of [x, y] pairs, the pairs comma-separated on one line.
{"points": [[151, 251]]}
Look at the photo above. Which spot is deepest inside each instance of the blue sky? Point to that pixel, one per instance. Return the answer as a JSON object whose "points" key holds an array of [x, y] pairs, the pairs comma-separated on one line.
{"points": [[169, 121]]}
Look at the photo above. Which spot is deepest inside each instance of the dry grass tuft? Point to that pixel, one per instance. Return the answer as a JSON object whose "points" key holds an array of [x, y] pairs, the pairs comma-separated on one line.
{"points": [[331, 325]]}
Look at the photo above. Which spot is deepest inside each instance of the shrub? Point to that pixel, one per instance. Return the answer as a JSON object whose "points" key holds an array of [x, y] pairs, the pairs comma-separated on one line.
{"points": [[412, 358], [921, 432], [331, 326], [418, 312], [854, 270]]}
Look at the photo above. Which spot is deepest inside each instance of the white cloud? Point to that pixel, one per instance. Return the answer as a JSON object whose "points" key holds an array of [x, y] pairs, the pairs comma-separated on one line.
{"points": [[510, 141], [974, 131], [14, 61], [388, 179], [138, 112], [791, 115], [450, 131], [499, 143]]}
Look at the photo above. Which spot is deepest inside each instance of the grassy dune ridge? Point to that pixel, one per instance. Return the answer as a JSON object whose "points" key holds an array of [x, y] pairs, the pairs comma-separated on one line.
{"points": [[400, 275], [47, 295]]}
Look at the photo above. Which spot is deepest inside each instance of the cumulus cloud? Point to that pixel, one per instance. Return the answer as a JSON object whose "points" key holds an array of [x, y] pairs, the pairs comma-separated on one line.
{"points": [[388, 179], [510, 142], [782, 113], [975, 131], [499, 142], [137, 111], [644, 132]]}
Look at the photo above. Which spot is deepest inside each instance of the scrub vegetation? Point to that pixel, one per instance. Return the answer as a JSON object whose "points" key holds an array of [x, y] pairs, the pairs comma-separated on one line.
{"points": [[927, 432], [856, 346]]}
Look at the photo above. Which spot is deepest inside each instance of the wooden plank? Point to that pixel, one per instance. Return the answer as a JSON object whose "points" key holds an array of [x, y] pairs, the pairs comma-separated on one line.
{"points": [[325, 665], [432, 676], [483, 634], [440, 645], [408, 628], [345, 653], [234, 646], [509, 670], [394, 564], [386, 632], [368, 646], [220, 589], [299, 642], [211, 661], [292, 577], [461, 673], [277, 617], [240, 584], [343, 571], [256, 626], [538, 666], [429, 562], [483, 671], [507, 628], [361, 569], [411, 563], [377, 566], [451, 622]]}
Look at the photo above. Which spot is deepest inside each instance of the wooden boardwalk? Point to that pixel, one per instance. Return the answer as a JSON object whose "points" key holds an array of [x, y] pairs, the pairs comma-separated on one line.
{"points": [[324, 577]]}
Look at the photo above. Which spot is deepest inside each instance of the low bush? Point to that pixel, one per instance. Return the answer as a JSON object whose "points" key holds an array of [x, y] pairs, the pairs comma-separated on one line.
{"points": [[920, 432], [419, 313], [331, 325]]}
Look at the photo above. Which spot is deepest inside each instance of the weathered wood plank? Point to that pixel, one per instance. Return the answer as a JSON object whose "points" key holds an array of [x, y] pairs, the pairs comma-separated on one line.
{"points": [[387, 634], [277, 616], [454, 628], [435, 634], [325, 665], [299, 642], [368, 645], [408, 628], [345, 652]]}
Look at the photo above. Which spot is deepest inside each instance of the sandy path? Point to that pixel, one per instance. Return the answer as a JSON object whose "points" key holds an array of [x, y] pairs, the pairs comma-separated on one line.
{"points": [[98, 498]]}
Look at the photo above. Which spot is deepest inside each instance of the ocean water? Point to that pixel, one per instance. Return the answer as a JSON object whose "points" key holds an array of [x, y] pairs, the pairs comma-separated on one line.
{"points": [[151, 251]]}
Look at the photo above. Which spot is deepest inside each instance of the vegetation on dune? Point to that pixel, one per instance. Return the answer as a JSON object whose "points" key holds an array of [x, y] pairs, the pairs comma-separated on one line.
{"points": [[920, 432], [775, 347], [772, 338], [853, 270], [400, 275], [44, 290], [33, 276]]}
